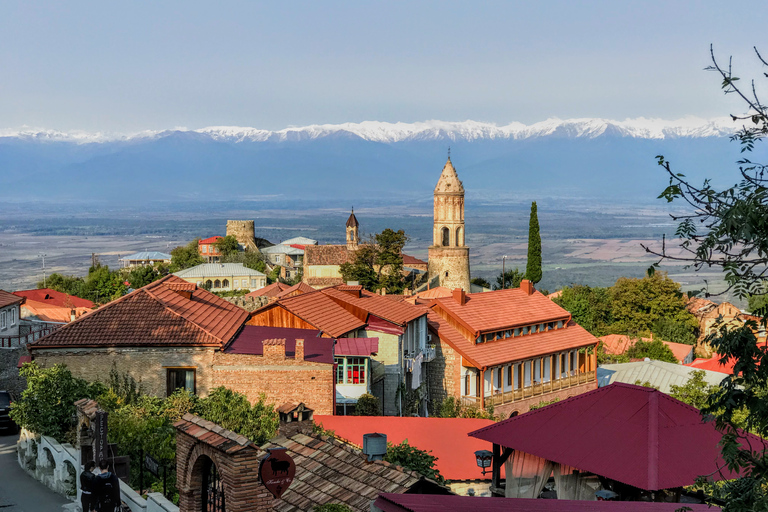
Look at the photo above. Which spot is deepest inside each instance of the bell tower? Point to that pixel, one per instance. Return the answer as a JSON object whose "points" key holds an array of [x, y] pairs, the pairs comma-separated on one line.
{"points": [[353, 236], [448, 255]]}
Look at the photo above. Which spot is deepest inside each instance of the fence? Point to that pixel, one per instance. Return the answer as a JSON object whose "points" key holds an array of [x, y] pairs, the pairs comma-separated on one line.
{"points": [[22, 340]]}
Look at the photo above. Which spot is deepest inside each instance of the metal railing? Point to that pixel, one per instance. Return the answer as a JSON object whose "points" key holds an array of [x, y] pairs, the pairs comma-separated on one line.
{"points": [[430, 353], [23, 339]]}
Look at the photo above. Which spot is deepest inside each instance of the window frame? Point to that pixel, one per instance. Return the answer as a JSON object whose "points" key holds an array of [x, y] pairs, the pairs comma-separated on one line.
{"points": [[169, 370]]}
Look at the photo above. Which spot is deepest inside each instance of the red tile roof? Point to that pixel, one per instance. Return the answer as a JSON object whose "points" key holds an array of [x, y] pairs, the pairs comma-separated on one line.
{"points": [[154, 315], [393, 311], [271, 290], [212, 434], [502, 309], [446, 438], [713, 364], [251, 338], [493, 353], [321, 311], [60, 299], [435, 293], [326, 255], [296, 289], [635, 435], [409, 260], [211, 240], [620, 343], [7, 298], [356, 346], [437, 503]]}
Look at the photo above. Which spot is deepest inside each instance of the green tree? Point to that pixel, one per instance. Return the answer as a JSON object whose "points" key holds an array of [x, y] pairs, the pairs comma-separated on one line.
{"points": [[66, 284], [250, 259], [145, 274], [331, 507], [756, 303], [589, 307], [696, 391], [410, 457], [675, 331], [226, 245], [103, 285], [185, 256], [274, 275], [509, 279], [233, 411], [533, 266], [655, 350], [378, 263], [367, 405], [480, 281]]}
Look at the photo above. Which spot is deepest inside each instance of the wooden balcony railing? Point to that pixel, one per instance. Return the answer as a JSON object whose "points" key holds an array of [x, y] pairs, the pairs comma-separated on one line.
{"points": [[537, 389]]}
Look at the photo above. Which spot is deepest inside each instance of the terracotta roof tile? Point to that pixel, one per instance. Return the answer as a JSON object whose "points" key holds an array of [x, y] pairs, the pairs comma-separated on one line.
{"points": [[271, 290], [326, 255], [321, 311], [48, 296], [396, 312], [296, 289], [154, 315], [7, 298], [210, 240], [324, 281], [409, 260], [213, 435]]}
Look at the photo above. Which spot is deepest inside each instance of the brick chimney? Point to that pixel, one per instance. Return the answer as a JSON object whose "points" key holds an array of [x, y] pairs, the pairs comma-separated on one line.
{"points": [[526, 286], [72, 315], [299, 352], [460, 296], [274, 349]]}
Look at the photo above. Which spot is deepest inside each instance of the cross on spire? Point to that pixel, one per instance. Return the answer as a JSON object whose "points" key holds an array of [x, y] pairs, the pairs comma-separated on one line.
{"points": [[449, 152]]}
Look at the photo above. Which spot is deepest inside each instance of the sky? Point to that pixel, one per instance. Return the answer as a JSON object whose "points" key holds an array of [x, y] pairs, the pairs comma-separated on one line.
{"points": [[123, 67]]}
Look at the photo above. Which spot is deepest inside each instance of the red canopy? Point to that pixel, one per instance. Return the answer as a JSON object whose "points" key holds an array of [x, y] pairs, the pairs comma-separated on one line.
{"points": [[631, 434], [356, 346]]}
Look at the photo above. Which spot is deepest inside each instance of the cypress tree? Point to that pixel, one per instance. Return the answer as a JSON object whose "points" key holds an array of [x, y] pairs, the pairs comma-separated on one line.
{"points": [[533, 267]]}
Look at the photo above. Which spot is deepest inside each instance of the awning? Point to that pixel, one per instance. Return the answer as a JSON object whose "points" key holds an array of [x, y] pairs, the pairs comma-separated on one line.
{"points": [[24, 359], [341, 399], [356, 347]]}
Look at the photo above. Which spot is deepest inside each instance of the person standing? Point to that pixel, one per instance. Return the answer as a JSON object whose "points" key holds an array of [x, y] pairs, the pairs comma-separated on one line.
{"points": [[107, 489], [87, 486]]}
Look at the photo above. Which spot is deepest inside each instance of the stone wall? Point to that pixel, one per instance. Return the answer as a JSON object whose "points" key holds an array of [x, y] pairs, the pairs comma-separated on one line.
{"points": [[146, 365], [248, 303], [244, 231], [9, 373], [281, 379], [454, 261], [444, 375]]}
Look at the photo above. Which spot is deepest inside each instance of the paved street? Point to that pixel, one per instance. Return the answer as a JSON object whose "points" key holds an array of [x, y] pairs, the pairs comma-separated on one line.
{"points": [[18, 491]]}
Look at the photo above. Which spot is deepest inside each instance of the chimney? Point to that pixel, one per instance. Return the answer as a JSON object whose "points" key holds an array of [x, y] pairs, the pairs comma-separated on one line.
{"points": [[460, 296], [526, 286], [72, 315], [274, 350], [299, 351]]}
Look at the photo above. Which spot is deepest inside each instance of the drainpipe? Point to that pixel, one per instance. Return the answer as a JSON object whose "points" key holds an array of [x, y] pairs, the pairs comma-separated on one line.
{"points": [[482, 389]]}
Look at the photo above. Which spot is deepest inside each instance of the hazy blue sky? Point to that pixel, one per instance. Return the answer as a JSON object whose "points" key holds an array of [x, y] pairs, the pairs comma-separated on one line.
{"points": [[151, 65]]}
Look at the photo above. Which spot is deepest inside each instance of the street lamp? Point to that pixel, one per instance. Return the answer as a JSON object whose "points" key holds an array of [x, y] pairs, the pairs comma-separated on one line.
{"points": [[503, 272], [484, 458], [43, 255]]}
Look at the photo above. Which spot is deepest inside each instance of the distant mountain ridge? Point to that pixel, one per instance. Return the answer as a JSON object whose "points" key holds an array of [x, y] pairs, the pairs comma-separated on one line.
{"points": [[358, 163], [375, 131]]}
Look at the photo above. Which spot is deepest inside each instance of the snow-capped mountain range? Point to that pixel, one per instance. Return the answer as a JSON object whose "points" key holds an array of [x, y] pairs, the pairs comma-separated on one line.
{"points": [[375, 131]]}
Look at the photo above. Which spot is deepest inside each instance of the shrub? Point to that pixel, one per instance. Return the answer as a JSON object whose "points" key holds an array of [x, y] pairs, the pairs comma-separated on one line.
{"points": [[410, 457], [234, 412], [451, 407], [331, 507], [367, 405]]}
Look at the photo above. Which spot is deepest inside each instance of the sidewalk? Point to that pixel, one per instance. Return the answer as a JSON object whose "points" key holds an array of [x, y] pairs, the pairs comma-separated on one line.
{"points": [[20, 492]]}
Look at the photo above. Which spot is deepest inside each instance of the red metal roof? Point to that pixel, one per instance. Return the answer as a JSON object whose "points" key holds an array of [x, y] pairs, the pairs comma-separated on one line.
{"points": [[447, 503], [632, 434], [356, 346], [492, 353], [250, 340], [713, 364], [446, 438], [210, 240], [154, 315], [60, 299], [620, 343], [501, 309]]}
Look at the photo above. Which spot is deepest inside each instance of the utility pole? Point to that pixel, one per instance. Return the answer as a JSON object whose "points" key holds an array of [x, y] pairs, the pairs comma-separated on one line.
{"points": [[43, 255], [503, 272]]}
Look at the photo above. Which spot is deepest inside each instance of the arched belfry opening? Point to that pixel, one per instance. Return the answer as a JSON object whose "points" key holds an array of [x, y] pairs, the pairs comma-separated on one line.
{"points": [[459, 237], [445, 235]]}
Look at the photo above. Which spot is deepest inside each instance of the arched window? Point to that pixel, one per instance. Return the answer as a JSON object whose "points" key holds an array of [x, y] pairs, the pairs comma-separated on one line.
{"points": [[209, 284], [217, 284], [445, 236], [225, 283], [459, 237]]}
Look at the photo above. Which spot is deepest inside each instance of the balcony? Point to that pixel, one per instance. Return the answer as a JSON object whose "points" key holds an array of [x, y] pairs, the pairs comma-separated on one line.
{"points": [[429, 353], [537, 389]]}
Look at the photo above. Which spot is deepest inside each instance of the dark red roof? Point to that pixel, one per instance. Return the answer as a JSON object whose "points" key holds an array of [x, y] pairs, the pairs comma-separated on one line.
{"points": [[502, 309], [250, 340], [7, 298], [356, 346], [632, 434], [445, 438], [155, 315], [60, 299], [447, 503], [22, 360]]}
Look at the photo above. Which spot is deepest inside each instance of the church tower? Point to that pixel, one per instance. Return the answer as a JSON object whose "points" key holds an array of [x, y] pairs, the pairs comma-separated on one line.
{"points": [[448, 255], [353, 237]]}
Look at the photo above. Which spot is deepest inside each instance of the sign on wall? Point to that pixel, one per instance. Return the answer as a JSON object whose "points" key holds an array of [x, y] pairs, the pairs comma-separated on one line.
{"points": [[276, 471], [100, 433]]}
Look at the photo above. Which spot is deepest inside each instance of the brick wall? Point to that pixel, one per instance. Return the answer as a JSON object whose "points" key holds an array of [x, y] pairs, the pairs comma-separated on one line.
{"points": [[146, 365], [281, 380]]}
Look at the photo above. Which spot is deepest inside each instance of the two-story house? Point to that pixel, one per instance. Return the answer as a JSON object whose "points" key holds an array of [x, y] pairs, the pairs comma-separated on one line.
{"points": [[208, 250], [221, 277], [9, 314], [511, 348], [289, 258]]}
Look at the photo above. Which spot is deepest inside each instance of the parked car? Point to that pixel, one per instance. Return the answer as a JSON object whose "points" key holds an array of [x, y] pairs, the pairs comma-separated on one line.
{"points": [[6, 422]]}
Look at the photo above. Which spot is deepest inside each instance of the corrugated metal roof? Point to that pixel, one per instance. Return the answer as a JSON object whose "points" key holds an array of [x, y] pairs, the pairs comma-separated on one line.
{"points": [[356, 346], [147, 255], [299, 240], [632, 434], [250, 340], [659, 374], [282, 249], [217, 270]]}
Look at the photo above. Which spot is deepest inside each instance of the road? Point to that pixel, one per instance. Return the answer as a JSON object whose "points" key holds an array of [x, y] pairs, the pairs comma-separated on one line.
{"points": [[19, 492]]}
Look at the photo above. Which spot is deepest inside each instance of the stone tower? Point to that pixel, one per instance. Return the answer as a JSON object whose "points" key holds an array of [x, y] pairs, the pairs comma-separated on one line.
{"points": [[353, 236], [245, 233], [448, 256]]}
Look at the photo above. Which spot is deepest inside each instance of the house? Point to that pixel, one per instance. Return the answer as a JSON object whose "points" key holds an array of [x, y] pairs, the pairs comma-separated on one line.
{"points": [[145, 258], [711, 316], [54, 298], [635, 441], [511, 348], [10, 314], [713, 364], [172, 334], [444, 438], [208, 250], [224, 277], [46, 309], [301, 241], [289, 258], [617, 344], [350, 312], [659, 374]]}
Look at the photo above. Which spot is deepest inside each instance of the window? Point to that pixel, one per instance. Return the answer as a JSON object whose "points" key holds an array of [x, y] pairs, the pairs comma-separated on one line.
{"points": [[563, 365], [445, 237], [542, 327], [356, 370], [339, 370], [254, 282], [180, 378], [459, 241], [556, 362], [550, 326], [547, 370], [217, 284], [209, 284], [573, 362], [13, 317], [278, 258], [237, 283], [537, 371], [205, 249], [517, 331], [225, 283], [534, 329], [2, 321], [499, 377], [526, 330], [516, 380], [559, 324], [510, 375]]}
